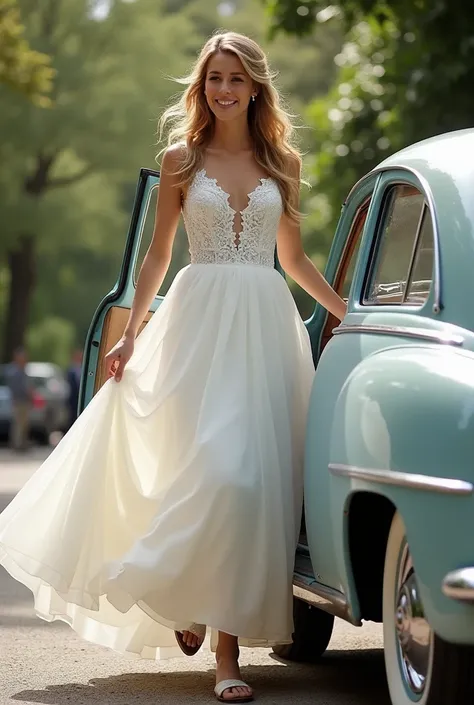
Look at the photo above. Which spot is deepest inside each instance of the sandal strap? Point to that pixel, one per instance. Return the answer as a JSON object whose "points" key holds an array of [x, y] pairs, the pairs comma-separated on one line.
{"points": [[198, 630], [227, 684]]}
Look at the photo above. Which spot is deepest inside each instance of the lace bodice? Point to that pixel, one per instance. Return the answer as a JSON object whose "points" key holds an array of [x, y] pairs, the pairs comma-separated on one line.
{"points": [[211, 221]]}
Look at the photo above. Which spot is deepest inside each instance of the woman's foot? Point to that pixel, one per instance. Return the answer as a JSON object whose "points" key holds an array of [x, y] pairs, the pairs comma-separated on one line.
{"points": [[191, 639], [227, 668]]}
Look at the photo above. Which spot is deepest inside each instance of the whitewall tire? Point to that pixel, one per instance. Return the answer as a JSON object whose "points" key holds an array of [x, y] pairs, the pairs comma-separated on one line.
{"points": [[421, 668]]}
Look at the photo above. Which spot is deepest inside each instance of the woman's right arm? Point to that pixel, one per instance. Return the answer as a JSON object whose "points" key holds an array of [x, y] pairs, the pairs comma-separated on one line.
{"points": [[156, 261]]}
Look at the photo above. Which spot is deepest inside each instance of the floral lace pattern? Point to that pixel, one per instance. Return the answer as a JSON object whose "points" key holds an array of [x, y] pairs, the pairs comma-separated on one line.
{"points": [[210, 223]]}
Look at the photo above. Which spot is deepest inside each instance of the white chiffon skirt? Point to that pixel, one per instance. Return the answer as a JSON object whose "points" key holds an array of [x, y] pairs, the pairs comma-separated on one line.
{"points": [[176, 496]]}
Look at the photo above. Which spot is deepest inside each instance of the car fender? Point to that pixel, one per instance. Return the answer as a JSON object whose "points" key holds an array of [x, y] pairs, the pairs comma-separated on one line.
{"points": [[406, 412]]}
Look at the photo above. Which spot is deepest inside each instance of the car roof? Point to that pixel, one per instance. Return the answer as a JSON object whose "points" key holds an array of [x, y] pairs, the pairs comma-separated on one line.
{"points": [[36, 369], [447, 153], [41, 369]]}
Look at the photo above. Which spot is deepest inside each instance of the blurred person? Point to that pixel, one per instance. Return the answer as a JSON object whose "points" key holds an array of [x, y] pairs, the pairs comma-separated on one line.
{"points": [[179, 488], [73, 378], [21, 391]]}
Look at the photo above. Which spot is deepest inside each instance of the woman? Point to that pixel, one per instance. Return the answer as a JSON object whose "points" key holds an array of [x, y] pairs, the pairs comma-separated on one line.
{"points": [[173, 504]]}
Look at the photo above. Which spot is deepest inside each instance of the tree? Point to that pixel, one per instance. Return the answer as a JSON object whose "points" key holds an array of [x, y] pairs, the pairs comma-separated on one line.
{"points": [[63, 172], [405, 73], [111, 85], [22, 68], [66, 174]]}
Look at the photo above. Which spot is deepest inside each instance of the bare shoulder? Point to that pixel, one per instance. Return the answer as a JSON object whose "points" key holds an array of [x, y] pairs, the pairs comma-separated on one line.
{"points": [[173, 157]]}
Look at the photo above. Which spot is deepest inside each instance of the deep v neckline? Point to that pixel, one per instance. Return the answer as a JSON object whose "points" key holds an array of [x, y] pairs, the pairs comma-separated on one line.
{"points": [[250, 194], [240, 214]]}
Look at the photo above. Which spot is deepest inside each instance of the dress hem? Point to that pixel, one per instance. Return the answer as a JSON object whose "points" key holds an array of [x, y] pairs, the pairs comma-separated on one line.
{"points": [[13, 568]]}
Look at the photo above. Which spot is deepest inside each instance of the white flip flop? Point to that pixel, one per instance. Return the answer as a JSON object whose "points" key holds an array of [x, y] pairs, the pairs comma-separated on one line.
{"points": [[226, 685]]}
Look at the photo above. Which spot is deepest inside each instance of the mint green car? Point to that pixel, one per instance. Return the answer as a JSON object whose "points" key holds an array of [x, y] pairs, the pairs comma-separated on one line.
{"points": [[388, 528]]}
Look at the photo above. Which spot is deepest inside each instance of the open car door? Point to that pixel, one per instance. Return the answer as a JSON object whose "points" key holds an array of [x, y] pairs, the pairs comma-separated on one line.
{"points": [[110, 318]]}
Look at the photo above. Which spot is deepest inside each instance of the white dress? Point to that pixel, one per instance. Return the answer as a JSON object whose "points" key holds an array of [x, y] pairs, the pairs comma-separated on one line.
{"points": [[176, 496]]}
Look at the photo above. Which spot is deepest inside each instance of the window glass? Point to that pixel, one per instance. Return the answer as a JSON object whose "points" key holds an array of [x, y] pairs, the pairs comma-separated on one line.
{"points": [[396, 248], [352, 250], [180, 256], [343, 283], [422, 273], [347, 283]]}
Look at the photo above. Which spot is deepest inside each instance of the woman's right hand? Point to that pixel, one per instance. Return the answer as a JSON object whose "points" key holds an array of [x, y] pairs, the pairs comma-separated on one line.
{"points": [[118, 357]]}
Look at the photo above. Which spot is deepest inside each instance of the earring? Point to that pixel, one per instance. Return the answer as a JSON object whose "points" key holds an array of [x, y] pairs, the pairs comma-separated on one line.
{"points": [[253, 99]]}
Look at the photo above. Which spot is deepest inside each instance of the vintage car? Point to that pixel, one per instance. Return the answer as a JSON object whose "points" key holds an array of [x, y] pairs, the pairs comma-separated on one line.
{"points": [[49, 409], [388, 528]]}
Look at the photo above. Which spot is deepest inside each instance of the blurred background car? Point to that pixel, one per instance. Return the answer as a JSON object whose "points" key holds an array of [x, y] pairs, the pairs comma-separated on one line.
{"points": [[49, 411]]}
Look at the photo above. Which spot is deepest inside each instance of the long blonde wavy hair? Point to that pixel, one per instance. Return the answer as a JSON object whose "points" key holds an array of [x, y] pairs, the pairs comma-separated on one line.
{"points": [[270, 126]]}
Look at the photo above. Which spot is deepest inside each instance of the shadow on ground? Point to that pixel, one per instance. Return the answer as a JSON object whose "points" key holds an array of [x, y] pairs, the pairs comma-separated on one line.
{"points": [[342, 678]]}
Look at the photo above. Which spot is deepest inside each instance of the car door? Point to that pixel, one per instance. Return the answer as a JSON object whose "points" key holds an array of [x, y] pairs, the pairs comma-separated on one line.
{"points": [[109, 320], [393, 300]]}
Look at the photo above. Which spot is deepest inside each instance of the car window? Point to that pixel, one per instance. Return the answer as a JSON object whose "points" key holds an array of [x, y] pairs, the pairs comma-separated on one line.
{"points": [[343, 285], [180, 256], [402, 262], [38, 381], [422, 272], [346, 286]]}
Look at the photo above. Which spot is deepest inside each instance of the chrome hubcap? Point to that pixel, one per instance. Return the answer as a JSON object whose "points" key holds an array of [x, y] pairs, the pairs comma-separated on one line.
{"points": [[414, 634]]}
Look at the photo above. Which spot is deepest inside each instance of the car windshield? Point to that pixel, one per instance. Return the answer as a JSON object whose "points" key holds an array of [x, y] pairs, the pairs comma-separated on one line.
{"points": [[39, 381]]}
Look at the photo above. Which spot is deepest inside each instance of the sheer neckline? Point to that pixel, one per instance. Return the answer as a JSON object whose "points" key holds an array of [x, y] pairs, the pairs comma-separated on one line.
{"points": [[217, 235], [261, 182]]}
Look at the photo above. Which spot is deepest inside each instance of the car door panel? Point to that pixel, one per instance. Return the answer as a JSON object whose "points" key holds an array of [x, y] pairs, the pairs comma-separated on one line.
{"points": [[321, 407], [114, 324], [112, 313], [340, 419]]}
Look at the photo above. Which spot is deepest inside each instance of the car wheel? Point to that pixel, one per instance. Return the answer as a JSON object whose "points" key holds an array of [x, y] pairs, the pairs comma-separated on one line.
{"points": [[313, 629], [421, 668]]}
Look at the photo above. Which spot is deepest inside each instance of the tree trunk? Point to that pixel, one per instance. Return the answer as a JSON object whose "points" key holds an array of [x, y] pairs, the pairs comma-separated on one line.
{"points": [[22, 258], [22, 266], [22, 269]]}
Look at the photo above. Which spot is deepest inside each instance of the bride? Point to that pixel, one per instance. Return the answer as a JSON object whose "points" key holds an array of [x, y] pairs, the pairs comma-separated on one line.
{"points": [[171, 509]]}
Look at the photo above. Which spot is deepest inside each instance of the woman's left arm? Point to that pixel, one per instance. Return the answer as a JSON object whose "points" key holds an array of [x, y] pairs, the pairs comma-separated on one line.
{"points": [[299, 267]]}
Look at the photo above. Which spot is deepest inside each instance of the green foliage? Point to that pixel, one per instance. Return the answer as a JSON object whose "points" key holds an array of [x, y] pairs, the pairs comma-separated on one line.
{"points": [[113, 80], [51, 340], [404, 74], [22, 68]]}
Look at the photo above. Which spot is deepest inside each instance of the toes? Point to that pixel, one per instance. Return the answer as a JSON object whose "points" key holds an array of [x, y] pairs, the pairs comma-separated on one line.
{"points": [[238, 692], [191, 639]]}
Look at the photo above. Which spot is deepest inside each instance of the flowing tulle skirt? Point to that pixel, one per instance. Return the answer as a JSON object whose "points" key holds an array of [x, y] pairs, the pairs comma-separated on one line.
{"points": [[176, 496]]}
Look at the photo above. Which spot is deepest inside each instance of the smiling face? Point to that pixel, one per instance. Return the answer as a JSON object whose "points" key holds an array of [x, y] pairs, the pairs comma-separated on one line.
{"points": [[228, 87]]}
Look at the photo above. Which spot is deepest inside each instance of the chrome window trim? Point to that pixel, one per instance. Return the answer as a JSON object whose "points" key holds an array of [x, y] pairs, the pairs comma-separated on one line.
{"points": [[437, 288], [432, 336], [139, 237], [416, 245], [443, 485]]}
